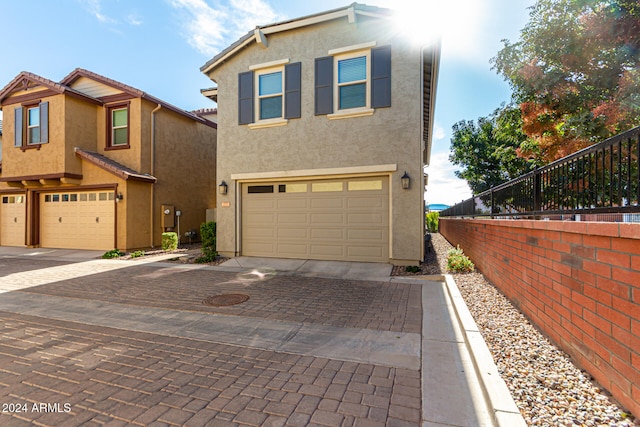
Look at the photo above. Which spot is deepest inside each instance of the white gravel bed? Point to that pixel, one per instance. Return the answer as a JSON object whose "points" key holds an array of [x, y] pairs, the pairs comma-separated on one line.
{"points": [[545, 384]]}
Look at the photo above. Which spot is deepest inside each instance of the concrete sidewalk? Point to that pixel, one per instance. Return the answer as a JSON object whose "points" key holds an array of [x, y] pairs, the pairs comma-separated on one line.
{"points": [[459, 381]]}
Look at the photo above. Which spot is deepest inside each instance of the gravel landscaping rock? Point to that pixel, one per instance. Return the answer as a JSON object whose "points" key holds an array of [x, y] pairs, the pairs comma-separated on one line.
{"points": [[547, 387]]}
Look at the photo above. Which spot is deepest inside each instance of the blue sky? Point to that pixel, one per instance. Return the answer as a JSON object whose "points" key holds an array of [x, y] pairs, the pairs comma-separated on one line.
{"points": [[158, 46]]}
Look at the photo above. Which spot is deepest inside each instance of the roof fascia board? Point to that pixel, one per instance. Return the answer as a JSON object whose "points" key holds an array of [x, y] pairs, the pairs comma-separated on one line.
{"points": [[291, 25]]}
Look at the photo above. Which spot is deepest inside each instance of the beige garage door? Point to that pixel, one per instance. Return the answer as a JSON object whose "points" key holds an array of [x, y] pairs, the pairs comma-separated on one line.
{"points": [[77, 220], [342, 219], [12, 220]]}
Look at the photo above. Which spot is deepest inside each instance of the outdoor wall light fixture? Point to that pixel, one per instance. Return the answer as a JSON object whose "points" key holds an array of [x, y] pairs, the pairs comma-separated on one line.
{"points": [[119, 197], [406, 180], [223, 188]]}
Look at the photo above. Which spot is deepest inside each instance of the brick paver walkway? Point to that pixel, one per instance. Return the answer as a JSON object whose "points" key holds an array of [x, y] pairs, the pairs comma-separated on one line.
{"points": [[56, 372]]}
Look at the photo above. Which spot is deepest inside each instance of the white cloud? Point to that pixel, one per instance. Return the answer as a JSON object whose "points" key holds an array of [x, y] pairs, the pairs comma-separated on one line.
{"points": [[134, 20], [95, 8], [444, 186], [210, 29]]}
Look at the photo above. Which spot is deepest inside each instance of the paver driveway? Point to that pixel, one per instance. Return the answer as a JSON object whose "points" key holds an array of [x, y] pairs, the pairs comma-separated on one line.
{"points": [[64, 362]]}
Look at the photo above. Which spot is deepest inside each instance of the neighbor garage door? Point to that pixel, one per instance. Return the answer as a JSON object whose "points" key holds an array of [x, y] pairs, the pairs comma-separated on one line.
{"points": [[12, 220], [342, 219], [77, 220]]}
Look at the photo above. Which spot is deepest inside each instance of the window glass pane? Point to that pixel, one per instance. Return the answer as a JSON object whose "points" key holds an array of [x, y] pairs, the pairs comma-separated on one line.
{"points": [[83, 197], [5, 199], [354, 69], [73, 198], [111, 196], [19, 199], [47, 198], [365, 185], [65, 197], [34, 116], [353, 96], [92, 197], [120, 136], [296, 188], [318, 187], [254, 189], [12, 199], [270, 107], [102, 197], [34, 135], [119, 118], [55, 198], [270, 84]]}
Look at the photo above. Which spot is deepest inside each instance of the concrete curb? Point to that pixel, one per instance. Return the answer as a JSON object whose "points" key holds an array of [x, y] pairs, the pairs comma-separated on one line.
{"points": [[497, 396]]}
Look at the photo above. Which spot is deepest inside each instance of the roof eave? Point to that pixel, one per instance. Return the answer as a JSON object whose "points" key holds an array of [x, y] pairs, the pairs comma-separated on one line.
{"points": [[349, 12]]}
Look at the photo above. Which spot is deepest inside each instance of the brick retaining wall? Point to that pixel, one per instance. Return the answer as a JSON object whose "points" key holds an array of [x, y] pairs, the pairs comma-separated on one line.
{"points": [[578, 282]]}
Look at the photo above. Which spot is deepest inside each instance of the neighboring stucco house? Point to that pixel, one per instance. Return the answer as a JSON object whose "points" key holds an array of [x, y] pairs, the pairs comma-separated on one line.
{"points": [[319, 119], [91, 163]]}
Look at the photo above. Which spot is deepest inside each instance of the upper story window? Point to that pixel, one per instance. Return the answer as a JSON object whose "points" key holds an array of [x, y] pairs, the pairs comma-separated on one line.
{"points": [[31, 125], [118, 127], [270, 99], [269, 94], [353, 81]]}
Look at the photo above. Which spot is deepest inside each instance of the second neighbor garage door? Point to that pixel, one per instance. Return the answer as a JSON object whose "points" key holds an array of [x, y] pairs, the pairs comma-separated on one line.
{"points": [[12, 220], [341, 219], [77, 220]]}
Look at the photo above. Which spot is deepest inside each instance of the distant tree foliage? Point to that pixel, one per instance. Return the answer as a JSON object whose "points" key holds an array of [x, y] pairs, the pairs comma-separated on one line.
{"points": [[575, 73], [487, 151]]}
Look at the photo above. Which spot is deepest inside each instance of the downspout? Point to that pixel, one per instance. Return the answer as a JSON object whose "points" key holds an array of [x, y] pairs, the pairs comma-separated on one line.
{"points": [[152, 172]]}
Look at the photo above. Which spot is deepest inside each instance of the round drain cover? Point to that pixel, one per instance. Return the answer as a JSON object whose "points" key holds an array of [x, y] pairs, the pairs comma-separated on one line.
{"points": [[225, 300]]}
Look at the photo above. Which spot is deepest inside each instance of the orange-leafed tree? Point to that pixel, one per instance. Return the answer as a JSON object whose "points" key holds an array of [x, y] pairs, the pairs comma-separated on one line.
{"points": [[575, 73]]}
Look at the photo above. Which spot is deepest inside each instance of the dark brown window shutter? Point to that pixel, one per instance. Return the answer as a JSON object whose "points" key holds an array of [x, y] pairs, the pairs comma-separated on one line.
{"points": [[245, 98], [324, 85], [292, 86], [44, 122], [17, 128], [381, 77]]}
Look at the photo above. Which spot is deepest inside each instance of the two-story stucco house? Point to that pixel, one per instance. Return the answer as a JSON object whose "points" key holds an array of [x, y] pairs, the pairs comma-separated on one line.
{"points": [[91, 163], [319, 120]]}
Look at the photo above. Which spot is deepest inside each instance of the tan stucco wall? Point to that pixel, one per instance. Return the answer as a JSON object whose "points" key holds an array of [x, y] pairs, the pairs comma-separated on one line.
{"points": [[390, 135], [186, 169], [49, 158]]}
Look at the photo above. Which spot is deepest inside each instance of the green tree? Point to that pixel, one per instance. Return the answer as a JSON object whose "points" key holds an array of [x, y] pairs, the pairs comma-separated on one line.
{"points": [[488, 151], [575, 73]]}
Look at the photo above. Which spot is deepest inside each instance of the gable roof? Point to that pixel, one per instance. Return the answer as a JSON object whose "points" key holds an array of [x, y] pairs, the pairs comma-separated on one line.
{"points": [[258, 35], [113, 167], [25, 80]]}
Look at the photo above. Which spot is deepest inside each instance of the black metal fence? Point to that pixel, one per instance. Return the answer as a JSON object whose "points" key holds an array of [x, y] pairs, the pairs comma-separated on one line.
{"points": [[601, 179]]}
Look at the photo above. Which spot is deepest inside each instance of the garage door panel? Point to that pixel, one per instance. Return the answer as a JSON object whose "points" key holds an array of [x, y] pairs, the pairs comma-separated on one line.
{"points": [[325, 233], [293, 218], [12, 220], [371, 234], [333, 220], [293, 203], [327, 218], [365, 203], [293, 233], [261, 232], [365, 218], [261, 218], [292, 250], [327, 203], [364, 252], [328, 251]]}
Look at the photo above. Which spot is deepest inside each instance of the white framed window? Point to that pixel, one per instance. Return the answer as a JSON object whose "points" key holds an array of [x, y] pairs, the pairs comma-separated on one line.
{"points": [[270, 93], [119, 127], [33, 125], [352, 89]]}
